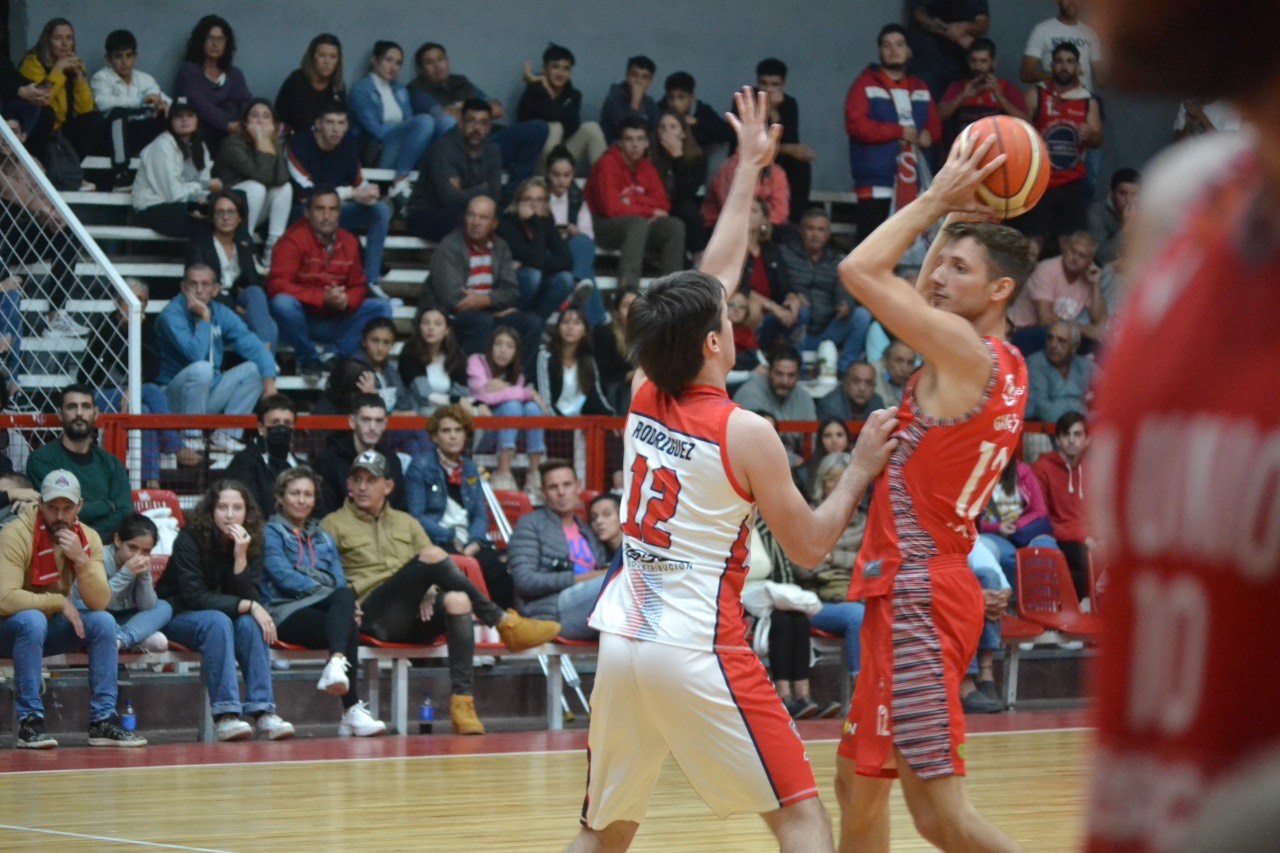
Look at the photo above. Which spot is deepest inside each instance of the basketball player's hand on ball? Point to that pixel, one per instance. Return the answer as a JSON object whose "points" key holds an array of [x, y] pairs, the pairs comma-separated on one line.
{"points": [[959, 178], [757, 139], [876, 442]]}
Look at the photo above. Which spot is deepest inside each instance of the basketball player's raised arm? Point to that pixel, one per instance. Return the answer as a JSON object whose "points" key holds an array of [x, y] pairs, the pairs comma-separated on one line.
{"points": [[943, 339]]}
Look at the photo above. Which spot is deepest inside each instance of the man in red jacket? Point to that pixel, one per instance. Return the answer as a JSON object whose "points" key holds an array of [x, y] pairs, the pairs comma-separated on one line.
{"points": [[631, 207], [317, 285], [1061, 477]]}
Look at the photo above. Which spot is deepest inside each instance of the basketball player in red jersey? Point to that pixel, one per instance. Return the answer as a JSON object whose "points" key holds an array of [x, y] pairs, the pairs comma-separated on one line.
{"points": [[675, 674], [960, 418], [1184, 478]]}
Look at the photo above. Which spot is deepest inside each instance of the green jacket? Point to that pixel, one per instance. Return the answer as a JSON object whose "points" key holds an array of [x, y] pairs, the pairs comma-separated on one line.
{"points": [[104, 483], [373, 549]]}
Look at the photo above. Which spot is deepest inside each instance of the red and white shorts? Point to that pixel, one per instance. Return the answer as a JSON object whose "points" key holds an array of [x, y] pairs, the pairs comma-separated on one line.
{"points": [[715, 712]]}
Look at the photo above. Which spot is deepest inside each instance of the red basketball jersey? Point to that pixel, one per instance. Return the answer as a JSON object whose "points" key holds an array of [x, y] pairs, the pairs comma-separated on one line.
{"points": [[940, 476], [1185, 500], [1059, 117]]}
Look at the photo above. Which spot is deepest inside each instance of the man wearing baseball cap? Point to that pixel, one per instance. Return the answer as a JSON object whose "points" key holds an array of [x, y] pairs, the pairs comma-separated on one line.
{"points": [[42, 553], [410, 591]]}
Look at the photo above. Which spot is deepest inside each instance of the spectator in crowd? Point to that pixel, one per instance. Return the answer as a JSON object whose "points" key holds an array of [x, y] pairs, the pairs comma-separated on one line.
{"points": [[193, 330], [130, 100], [551, 97], [609, 344], [397, 574], [380, 103], [939, 33], [16, 493], [779, 311], [1015, 517], [26, 108], [42, 553], [832, 437], [794, 157], [631, 207], [138, 612], [772, 187], [253, 161], [10, 329], [889, 117], [376, 341], [748, 359], [210, 82], [212, 581], [567, 377], [521, 143], [305, 592], [326, 156], [464, 164], [368, 420], [834, 315], [1068, 287], [496, 380], [605, 514], [100, 476], [317, 287], [706, 123], [228, 250], [1069, 118], [1058, 378], [544, 268], [1107, 216], [1066, 28], [316, 84], [473, 281], [1061, 476], [630, 99], [270, 452], [978, 686], [855, 398], [683, 167], [556, 560], [1196, 117], [573, 219], [54, 62], [776, 393], [432, 365], [893, 371], [445, 495], [175, 176], [981, 93]]}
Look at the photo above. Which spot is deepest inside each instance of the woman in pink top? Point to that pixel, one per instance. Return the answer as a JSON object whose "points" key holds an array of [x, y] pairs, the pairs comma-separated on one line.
{"points": [[495, 380]]}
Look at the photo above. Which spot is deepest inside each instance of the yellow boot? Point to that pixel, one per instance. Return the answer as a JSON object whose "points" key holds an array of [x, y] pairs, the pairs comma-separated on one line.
{"points": [[462, 712], [519, 633]]}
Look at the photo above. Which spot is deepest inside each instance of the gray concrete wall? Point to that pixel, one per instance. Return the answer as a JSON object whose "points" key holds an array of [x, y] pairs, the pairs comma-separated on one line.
{"points": [[826, 43]]}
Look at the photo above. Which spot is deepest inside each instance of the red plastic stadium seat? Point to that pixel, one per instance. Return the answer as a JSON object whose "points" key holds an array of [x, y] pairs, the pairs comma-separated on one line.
{"points": [[145, 499], [586, 496], [1047, 597], [515, 504], [159, 562]]}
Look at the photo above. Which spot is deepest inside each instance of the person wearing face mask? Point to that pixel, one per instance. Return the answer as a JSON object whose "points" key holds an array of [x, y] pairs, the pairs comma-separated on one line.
{"points": [[270, 453]]}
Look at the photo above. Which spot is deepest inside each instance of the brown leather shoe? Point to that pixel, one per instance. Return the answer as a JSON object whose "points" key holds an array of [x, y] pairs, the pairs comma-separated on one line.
{"points": [[519, 633], [462, 712]]}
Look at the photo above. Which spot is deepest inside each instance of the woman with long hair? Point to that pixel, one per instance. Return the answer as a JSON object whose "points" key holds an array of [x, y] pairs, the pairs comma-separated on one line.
{"points": [[545, 273], [833, 437], [567, 377], [567, 207], [214, 86], [54, 64], [683, 168], [609, 343], [228, 251], [253, 161], [306, 594], [316, 84], [496, 380], [432, 364], [175, 176], [212, 582]]}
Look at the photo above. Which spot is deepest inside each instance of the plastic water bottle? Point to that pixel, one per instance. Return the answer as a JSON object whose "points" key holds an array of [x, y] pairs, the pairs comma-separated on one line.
{"points": [[129, 720], [426, 715]]}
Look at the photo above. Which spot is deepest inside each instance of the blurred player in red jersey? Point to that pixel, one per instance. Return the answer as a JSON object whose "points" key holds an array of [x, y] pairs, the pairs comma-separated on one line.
{"points": [[960, 418], [1185, 481]]}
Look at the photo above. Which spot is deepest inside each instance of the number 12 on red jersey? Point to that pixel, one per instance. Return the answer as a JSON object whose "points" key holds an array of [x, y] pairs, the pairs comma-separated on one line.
{"points": [[663, 491]]}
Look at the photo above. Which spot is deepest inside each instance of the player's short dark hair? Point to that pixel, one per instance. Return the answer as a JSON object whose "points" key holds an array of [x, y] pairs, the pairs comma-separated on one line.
{"points": [[274, 403], [555, 463], [771, 66], [556, 52], [981, 44], [1008, 251], [119, 41], [476, 105], [1068, 47], [888, 29], [367, 401], [667, 324], [74, 388], [785, 354], [1125, 175], [679, 81], [1067, 420], [642, 62], [376, 323], [632, 123]]}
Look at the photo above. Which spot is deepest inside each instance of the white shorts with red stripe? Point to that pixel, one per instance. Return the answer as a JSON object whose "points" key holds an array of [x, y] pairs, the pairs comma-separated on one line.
{"points": [[715, 712]]}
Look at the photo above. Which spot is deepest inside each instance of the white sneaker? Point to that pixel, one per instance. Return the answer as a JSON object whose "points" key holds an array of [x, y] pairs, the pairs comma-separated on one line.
{"points": [[58, 324], [222, 442], [401, 189], [232, 728], [274, 728], [155, 643], [376, 291], [334, 678], [357, 721], [503, 481]]}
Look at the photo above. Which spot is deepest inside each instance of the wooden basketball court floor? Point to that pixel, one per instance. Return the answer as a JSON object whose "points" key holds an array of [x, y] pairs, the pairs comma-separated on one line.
{"points": [[504, 791]]}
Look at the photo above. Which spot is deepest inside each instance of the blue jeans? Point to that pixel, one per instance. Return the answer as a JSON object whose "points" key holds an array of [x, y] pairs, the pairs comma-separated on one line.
{"points": [[403, 144], [573, 605], [1007, 553], [375, 220], [11, 325], [543, 294], [849, 335], [300, 327], [200, 390], [257, 315], [989, 575], [154, 442], [843, 618], [533, 440], [29, 635], [222, 643], [583, 249], [521, 146], [134, 626]]}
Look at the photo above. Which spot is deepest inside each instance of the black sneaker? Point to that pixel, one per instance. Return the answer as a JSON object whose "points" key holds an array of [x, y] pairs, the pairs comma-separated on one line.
{"points": [[988, 689], [311, 371], [31, 735], [109, 732], [801, 709], [977, 702]]}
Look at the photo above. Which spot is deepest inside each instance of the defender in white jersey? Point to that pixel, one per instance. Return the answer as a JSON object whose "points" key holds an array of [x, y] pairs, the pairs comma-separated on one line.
{"points": [[675, 674]]}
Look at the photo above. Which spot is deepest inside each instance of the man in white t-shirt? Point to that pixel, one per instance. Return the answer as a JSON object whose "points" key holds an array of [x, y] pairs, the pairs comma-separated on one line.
{"points": [[1037, 59], [1195, 118], [1062, 288]]}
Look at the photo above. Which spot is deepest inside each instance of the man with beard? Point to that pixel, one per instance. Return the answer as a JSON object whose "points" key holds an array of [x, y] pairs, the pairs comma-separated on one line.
{"points": [[104, 482], [462, 164], [268, 455], [368, 421]]}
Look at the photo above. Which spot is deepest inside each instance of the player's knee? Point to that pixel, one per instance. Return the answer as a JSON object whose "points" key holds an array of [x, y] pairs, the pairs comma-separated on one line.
{"points": [[456, 603], [929, 823]]}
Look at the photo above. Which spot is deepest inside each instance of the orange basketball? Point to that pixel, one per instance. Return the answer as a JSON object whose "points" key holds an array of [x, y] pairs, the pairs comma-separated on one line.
{"points": [[1018, 184]]}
